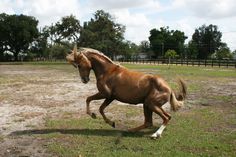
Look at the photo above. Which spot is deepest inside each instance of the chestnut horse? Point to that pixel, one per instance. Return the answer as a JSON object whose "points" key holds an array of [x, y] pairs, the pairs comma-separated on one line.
{"points": [[115, 82]]}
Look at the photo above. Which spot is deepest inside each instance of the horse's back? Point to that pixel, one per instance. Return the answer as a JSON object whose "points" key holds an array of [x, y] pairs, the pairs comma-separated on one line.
{"points": [[129, 86]]}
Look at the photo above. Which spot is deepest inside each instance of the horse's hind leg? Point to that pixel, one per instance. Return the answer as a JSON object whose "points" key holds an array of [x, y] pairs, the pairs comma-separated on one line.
{"points": [[101, 110], [166, 114], [147, 119], [97, 96], [166, 117]]}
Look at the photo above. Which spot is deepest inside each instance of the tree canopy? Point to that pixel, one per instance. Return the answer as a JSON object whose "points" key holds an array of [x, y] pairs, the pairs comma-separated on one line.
{"points": [[165, 39], [223, 52], [18, 32], [65, 30], [207, 40], [102, 33]]}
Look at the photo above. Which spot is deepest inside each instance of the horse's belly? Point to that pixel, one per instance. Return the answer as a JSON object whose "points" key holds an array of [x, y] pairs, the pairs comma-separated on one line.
{"points": [[130, 101], [130, 97]]}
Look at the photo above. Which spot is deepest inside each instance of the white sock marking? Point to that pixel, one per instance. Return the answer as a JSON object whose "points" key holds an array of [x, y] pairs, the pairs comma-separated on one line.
{"points": [[159, 131]]}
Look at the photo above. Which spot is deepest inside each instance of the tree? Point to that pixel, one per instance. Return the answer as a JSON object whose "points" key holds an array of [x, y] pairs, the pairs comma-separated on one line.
{"points": [[40, 46], [65, 30], [207, 39], [17, 33], [3, 35], [165, 39], [157, 39], [192, 51], [102, 33], [170, 54], [128, 49], [144, 46], [234, 54], [57, 51], [224, 52]]}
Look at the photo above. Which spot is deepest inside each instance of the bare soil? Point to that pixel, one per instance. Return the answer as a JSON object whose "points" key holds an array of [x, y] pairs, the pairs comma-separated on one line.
{"points": [[28, 95], [31, 94]]}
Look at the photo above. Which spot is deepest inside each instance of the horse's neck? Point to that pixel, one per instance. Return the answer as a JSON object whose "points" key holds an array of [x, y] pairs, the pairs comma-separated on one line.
{"points": [[100, 66]]}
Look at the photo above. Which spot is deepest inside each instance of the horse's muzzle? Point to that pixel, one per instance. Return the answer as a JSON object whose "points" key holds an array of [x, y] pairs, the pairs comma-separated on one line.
{"points": [[85, 79]]}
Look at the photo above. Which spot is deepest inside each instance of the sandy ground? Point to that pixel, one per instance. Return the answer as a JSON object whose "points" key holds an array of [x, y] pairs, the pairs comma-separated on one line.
{"points": [[31, 94]]}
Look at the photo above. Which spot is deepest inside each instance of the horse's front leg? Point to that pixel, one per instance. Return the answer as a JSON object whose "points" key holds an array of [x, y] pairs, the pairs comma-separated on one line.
{"points": [[101, 110], [97, 96]]}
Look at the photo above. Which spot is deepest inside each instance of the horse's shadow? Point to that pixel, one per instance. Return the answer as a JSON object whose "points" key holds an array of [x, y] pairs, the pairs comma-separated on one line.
{"points": [[85, 132]]}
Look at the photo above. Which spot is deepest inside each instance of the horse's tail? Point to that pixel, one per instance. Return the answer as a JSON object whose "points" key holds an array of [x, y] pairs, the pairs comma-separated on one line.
{"points": [[177, 99]]}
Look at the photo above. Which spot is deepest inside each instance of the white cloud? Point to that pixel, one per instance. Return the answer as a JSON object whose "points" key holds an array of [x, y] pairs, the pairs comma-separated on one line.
{"points": [[46, 11], [6, 7], [111, 4], [136, 24], [51, 11], [122, 4], [213, 9], [139, 16], [133, 20]]}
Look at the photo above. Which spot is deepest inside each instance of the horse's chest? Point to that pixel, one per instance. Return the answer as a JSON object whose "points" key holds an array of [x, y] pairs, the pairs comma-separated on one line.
{"points": [[103, 88]]}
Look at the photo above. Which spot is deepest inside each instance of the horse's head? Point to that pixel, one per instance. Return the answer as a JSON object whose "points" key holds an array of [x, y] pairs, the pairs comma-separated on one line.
{"points": [[81, 62]]}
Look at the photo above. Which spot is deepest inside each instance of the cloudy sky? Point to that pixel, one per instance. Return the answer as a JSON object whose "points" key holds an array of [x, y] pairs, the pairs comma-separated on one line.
{"points": [[139, 16]]}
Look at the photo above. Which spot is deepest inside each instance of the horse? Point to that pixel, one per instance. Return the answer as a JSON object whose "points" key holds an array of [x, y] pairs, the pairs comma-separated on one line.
{"points": [[115, 82]]}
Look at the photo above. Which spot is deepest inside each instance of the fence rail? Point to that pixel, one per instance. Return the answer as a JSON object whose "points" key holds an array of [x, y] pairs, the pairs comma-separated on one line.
{"points": [[188, 62]]}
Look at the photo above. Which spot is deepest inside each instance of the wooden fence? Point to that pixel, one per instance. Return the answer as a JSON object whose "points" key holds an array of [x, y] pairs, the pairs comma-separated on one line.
{"points": [[188, 62]]}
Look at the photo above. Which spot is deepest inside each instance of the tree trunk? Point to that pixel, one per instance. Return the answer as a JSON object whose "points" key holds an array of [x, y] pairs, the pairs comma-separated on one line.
{"points": [[16, 56], [1, 56]]}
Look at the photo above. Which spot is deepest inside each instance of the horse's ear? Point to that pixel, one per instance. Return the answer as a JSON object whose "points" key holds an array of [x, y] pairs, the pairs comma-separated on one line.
{"points": [[75, 51], [75, 48]]}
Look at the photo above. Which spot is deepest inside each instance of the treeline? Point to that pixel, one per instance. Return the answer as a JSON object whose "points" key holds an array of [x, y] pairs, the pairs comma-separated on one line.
{"points": [[22, 39]]}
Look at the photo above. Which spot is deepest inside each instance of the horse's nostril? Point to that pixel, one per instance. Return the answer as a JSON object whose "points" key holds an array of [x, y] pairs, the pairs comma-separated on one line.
{"points": [[85, 80]]}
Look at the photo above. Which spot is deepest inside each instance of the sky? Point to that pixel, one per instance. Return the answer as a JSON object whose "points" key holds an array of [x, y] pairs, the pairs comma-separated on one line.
{"points": [[139, 16]]}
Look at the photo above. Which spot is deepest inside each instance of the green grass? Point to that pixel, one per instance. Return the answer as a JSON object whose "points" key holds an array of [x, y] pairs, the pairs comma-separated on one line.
{"points": [[185, 70], [192, 133], [193, 71]]}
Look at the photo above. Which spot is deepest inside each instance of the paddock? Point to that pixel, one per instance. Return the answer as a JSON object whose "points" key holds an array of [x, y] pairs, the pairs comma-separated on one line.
{"points": [[42, 113]]}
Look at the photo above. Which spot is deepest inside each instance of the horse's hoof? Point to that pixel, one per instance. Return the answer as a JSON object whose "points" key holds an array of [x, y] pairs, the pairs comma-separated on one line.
{"points": [[113, 124], [154, 137], [93, 115]]}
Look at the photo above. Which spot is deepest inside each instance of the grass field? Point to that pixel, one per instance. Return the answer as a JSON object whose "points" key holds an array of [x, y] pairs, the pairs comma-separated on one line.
{"points": [[206, 126]]}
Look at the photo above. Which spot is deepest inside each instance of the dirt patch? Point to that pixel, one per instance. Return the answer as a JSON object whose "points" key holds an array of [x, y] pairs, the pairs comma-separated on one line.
{"points": [[28, 96]]}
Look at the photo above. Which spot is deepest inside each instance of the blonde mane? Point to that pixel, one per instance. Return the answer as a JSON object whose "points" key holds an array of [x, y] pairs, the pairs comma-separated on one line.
{"points": [[96, 52]]}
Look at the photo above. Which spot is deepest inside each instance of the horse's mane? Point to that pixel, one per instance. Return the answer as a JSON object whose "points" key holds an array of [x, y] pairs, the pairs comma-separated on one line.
{"points": [[95, 52]]}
